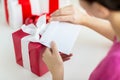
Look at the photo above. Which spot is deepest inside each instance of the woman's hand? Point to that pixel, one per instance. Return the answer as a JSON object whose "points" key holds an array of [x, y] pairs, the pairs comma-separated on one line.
{"points": [[70, 14], [54, 61], [75, 16]]}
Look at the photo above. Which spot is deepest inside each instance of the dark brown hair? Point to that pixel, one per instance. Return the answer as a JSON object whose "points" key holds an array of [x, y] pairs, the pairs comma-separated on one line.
{"points": [[110, 4]]}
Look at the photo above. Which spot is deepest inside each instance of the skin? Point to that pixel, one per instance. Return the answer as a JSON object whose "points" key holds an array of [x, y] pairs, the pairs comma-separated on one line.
{"points": [[54, 62], [73, 15]]}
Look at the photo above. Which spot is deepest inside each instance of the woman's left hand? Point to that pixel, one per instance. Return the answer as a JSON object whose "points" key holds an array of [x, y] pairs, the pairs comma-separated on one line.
{"points": [[54, 59]]}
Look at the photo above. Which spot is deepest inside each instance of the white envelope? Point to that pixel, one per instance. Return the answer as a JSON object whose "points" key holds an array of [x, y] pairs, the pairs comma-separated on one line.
{"points": [[64, 35]]}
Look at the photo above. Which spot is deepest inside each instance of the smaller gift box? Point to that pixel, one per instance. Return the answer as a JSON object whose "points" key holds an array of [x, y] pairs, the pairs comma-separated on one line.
{"points": [[16, 11]]}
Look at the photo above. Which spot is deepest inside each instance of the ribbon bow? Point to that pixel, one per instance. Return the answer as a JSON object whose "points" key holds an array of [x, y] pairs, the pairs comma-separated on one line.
{"points": [[35, 30]]}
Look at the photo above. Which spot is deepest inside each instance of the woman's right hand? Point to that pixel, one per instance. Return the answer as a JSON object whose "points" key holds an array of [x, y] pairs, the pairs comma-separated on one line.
{"points": [[76, 16], [70, 14]]}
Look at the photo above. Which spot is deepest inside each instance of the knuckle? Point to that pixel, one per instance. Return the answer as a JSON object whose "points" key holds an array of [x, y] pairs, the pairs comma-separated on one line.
{"points": [[43, 58], [73, 19], [60, 18], [71, 6], [46, 50], [43, 55], [60, 11]]}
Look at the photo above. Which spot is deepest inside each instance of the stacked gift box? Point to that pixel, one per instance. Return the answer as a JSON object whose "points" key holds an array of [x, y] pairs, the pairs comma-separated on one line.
{"points": [[28, 53]]}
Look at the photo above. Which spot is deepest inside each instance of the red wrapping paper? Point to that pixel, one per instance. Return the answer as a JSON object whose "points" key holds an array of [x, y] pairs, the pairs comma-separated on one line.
{"points": [[26, 9], [53, 5], [6, 10]]}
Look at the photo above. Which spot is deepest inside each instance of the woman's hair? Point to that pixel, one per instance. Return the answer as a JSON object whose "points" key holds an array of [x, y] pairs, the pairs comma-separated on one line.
{"points": [[110, 4]]}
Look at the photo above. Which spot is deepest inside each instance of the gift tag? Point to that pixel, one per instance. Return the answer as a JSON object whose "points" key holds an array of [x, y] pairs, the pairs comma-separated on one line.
{"points": [[64, 35]]}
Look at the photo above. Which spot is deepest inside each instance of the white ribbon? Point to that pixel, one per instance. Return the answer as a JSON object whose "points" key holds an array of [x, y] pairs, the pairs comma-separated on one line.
{"points": [[34, 32]]}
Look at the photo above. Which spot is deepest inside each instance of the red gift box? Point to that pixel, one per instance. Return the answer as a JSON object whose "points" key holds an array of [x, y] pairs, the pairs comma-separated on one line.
{"points": [[32, 59], [28, 49], [35, 54]]}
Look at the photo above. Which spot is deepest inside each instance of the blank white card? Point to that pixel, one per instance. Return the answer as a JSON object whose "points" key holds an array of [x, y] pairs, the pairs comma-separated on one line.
{"points": [[64, 35]]}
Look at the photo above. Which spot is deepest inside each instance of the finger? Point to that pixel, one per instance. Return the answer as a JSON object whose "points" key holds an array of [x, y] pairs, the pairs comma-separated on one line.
{"points": [[46, 55], [64, 11], [54, 48], [68, 18], [47, 52]]}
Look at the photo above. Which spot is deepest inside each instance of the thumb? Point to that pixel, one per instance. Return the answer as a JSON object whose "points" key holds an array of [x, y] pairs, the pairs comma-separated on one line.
{"points": [[54, 48]]}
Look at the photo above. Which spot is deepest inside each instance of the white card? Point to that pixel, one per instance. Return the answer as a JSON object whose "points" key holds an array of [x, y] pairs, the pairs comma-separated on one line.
{"points": [[64, 35]]}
